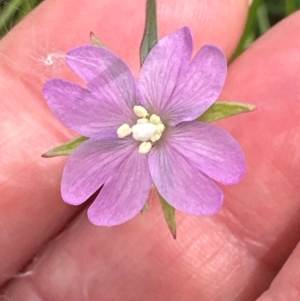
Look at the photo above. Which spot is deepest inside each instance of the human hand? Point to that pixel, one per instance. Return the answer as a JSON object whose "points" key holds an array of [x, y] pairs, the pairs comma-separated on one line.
{"points": [[233, 255]]}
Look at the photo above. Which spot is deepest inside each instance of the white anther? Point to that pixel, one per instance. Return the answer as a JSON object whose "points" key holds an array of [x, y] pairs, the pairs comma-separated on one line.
{"points": [[142, 120], [155, 137], [155, 119], [140, 111], [145, 147], [124, 130], [143, 131], [148, 129], [160, 128]]}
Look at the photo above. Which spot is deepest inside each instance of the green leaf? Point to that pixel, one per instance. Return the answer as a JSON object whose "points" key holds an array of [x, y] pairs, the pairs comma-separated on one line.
{"points": [[169, 213], [150, 31], [65, 149], [222, 109], [95, 41]]}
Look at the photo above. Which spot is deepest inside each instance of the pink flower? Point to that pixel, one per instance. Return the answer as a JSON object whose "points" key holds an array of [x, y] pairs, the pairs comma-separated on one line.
{"points": [[146, 132]]}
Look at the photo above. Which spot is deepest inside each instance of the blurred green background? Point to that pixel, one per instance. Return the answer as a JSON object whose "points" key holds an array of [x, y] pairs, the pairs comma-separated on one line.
{"points": [[263, 14]]}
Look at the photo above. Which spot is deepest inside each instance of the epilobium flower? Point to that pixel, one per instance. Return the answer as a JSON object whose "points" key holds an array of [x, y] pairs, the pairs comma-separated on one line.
{"points": [[145, 132]]}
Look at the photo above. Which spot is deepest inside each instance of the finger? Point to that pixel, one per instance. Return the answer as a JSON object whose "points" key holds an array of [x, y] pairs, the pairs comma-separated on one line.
{"points": [[231, 256], [120, 26], [286, 284], [31, 209]]}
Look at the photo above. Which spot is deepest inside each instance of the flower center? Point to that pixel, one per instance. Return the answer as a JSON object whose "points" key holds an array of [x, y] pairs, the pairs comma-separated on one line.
{"points": [[148, 129], [143, 131]]}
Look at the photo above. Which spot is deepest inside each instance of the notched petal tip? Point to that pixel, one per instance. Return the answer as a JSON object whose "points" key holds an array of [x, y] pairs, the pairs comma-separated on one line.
{"points": [[241, 170], [71, 201], [74, 199], [218, 204], [199, 87], [50, 91], [214, 48], [185, 31], [215, 56], [164, 63], [115, 166], [77, 50], [82, 56], [185, 34], [187, 189], [49, 86], [99, 220]]}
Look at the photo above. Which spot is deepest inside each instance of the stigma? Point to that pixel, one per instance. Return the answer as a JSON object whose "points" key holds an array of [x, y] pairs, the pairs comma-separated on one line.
{"points": [[143, 131], [148, 129]]}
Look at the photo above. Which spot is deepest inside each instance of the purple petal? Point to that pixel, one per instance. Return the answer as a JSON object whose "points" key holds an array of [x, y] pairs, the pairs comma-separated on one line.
{"points": [[115, 163], [106, 75], [210, 149], [162, 68], [181, 184], [81, 110], [199, 88]]}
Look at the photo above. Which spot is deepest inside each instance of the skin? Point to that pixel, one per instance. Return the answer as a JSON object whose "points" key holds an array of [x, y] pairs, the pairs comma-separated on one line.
{"points": [[50, 251]]}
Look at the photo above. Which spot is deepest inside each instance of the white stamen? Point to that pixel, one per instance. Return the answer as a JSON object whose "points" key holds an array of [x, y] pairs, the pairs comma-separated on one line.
{"points": [[155, 119], [155, 137], [143, 131], [142, 120], [147, 129], [140, 111], [124, 130], [160, 128], [145, 147]]}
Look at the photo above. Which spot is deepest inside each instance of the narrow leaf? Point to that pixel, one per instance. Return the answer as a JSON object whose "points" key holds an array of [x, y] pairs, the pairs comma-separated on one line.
{"points": [[250, 32], [150, 31], [263, 20], [65, 149], [169, 213], [223, 109], [95, 41]]}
